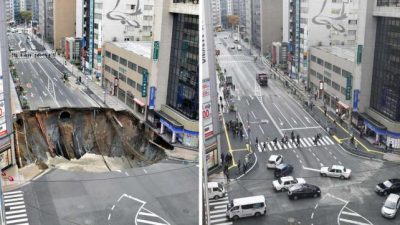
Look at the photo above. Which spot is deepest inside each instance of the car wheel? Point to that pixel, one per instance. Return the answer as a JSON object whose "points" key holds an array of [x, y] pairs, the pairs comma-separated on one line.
{"points": [[315, 195], [385, 193], [257, 214], [235, 217], [283, 189], [295, 197], [342, 177], [322, 174], [216, 197]]}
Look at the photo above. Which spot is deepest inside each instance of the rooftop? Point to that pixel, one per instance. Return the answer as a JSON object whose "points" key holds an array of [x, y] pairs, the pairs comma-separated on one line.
{"points": [[346, 52], [142, 48]]}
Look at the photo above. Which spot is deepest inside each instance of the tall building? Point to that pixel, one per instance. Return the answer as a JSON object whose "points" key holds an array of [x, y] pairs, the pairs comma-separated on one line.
{"points": [[176, 72], [9, 11], [224, 13], [266, 24], [17, 11], [216, 13], [378, 56]]}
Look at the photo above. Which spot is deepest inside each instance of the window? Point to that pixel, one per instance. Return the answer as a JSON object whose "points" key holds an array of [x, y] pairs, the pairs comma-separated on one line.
{"points": [[122, 70], [108, 54], [138, 87], [351, 32], [122, 77], [141, 70], [327, 81], [328, 65], [123, 61], [313, 72], [313, 58], [147, 17], [335, 86], [337, 69], [148, 7], [98, 5], [131, 83], [98, 16], [346, 73], [121, 95], [115, 57], [320, 61], [132, 7], [146, 28], [343, 90], [132, 65], [107, 68], [320, 77], [114, 72], [353, 22]]}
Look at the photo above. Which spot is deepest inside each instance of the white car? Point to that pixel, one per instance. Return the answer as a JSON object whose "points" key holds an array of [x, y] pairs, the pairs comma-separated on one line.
{"points": [[284, 183], [335, 171], [274, 161], [226, 37], [391, 206]]}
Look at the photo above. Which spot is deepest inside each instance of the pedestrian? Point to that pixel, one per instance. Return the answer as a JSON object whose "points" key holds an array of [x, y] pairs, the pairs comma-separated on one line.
{"points": [[293, 139], [222, 158], [256, 141], [222, 107], [275, 141], [355, 145], [220, 98], [391, 146], [311, 105], [227, 177], [263, 146], [325, 110], [244, 168], [298, 142], [238, 165]]}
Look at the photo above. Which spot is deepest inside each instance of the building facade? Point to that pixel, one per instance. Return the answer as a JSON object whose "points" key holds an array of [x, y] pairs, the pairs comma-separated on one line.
{"points": [[216, 13], [10, 11], [127, 69], [224, 13], [174, 114]]}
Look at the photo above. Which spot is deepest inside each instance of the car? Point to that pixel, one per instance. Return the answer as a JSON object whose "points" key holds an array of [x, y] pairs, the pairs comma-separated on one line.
{"points": [[262, 79], [391, 206], [335, 171], [388, 186], [274, 160], [284, 183], [239, 48], [232, 47], [226, 37], [304, 191], [216, 190], [283, 170]]}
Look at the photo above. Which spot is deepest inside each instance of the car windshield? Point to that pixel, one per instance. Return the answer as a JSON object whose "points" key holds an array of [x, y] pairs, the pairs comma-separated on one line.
{"points": [[220, 186], [387, 184], [280, 180], [390, 205]]}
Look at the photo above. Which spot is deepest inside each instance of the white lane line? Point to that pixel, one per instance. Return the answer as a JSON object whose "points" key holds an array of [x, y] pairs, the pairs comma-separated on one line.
{"points": [[219, 203], [279, 145], [353, 222], [218, 211], [297, 156], [252, 113], [12, 192], [16, 212], [228, 223], [220, 207], [17, 207], [311, 169], [329, 140], [301, 162], [330, 153], [13, 196], [340, 163], [13, 200], [69, 103], [248, 103], [294, 120], [306, 141], [282, 115], [312, 215], [317, 159], [148, 222], [350, 213], [262, 131], [321, 164], [41, 99], [334, 157], [148, 214]]}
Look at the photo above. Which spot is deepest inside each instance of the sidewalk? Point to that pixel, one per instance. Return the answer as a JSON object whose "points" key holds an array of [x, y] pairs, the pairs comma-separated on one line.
{"points": [[343, 131], [14, 178]]}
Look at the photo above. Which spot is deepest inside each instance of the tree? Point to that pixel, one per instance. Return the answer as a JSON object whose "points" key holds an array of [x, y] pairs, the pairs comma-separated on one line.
{"points": [[233, 20], [26, 15]]}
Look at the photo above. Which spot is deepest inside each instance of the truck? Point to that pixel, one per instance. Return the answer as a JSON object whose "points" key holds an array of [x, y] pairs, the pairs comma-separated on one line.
{"points": [[262, 79]]}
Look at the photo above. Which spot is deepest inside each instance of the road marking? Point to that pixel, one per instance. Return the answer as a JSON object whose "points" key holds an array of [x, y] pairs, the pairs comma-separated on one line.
{"points": [[219, 203], [279, 145], [294, 120], [253, 114], [17, 221], [12, 196], [334, 157], [16, 211], [350, 213], [144, 170], [312, 215], [282, 114], [302, 142], [353, 222], [322, 165], [229, 142], [290, 145], [297, 156], [327, 139], [317, 159], [280, 121], [220, 207], [302, 128], [41, 99], [248, 103], [308, 120], [340, 163], [218, 211], [306, 140], [261, 129], [301, 162], [311, 169]]}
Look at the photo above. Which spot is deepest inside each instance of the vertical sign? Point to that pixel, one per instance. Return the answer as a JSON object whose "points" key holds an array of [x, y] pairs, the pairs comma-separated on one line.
{"points": [[355, 100], [99, 44], [91, 19], [152, 97], [156, 49], [144, 83], [359, 53], [348, 87]]}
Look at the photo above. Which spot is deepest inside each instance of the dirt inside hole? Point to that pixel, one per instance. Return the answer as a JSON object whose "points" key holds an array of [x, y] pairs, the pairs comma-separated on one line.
{"points": [[84, 140]]}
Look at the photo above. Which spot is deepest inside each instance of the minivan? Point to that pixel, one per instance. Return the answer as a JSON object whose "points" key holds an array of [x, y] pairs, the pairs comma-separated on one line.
{"points": [[390, 206], [239, 48], [283, 170], [216, 190], [248, 206]]}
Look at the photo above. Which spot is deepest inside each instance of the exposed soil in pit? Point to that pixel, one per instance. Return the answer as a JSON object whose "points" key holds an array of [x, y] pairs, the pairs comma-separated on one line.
{"points": [[84, 139]]}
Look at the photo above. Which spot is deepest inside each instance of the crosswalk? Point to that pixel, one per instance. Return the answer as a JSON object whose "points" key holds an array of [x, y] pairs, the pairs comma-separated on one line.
{"points": [[218, 211], [348, 216], [15, 208], [304, 142]]}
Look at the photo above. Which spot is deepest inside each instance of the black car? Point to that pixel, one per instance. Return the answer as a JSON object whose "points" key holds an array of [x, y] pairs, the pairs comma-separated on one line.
{"points": [[304, 191], [388, 186], [283, 170]]}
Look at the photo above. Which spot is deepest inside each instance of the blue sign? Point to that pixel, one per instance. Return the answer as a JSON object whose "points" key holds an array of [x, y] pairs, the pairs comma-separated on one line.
{"points": [[152, 97], [144, 84], [355, 100]]}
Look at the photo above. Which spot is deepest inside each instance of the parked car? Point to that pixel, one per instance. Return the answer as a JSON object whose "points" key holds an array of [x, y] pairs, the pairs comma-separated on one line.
{"points": [[336, 171], [216, 190], [239, 48], [391, 206], [283, 170], [304, 191], [262, 79], [274, 160], [284, 183], [388, 186], [232, 47]]}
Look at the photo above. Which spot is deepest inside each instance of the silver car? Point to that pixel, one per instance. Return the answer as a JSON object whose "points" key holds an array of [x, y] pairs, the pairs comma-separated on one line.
{"points": [[390, 206]]}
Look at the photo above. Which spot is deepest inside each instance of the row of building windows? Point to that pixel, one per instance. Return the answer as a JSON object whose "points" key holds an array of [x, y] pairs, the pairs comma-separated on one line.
{"points": [[330, 66], [328, 81], [125, 62], [123, 77]]}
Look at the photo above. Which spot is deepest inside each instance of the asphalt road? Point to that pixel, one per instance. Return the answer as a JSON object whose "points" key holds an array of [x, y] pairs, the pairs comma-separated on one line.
{"points": [[271, 112], [163, 193]]}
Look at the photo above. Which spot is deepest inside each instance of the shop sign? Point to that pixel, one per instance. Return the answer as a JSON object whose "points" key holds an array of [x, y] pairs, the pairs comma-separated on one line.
{"points": [[208, 131], [359, 53], [207, 113], [321, 85], [156, 49], [152, 97], [5, 158], [211, 158], [348, 87], [355, 100], [144, 83]]}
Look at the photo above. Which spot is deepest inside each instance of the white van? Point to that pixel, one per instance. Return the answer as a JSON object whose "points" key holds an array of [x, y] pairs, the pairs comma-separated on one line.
{"points": [[216, 190], [239, 48], [244, 207]]}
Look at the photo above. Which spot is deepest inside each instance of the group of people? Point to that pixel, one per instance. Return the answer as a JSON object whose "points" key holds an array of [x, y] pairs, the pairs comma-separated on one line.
{"points": [[295, 138], [236, 127], [19, 55]]}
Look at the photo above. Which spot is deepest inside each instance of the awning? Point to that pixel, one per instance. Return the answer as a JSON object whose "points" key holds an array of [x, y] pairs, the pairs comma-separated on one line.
{"points": [[169, 119], [138, 102], [343, 105]]}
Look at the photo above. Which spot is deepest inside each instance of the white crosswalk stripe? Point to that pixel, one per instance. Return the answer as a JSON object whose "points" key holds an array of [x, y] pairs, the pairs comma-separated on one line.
{"points": [[348, 216], [304, 142], [218, 209], [15, 208]]}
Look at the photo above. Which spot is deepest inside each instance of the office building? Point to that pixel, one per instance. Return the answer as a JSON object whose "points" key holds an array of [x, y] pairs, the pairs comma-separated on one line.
{"points": [[216, 13]]}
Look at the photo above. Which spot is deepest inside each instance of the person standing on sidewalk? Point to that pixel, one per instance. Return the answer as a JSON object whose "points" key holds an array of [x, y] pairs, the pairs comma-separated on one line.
{"points": [[256, 141], [238, 166], [244, 168]]}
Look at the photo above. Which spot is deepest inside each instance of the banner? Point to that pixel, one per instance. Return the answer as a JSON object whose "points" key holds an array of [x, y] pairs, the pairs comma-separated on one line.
{"points": [[152, 97]]}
